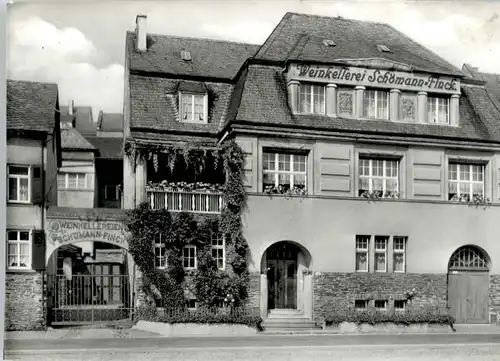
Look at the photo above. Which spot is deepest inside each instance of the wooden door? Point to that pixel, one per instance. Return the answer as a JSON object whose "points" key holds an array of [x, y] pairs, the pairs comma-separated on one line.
{"points": [[468, 296], [282, 284]]}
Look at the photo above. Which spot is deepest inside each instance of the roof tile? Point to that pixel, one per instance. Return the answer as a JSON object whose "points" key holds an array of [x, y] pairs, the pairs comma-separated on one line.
{"points": [[300, 37], [210, 58], [31, 105]]}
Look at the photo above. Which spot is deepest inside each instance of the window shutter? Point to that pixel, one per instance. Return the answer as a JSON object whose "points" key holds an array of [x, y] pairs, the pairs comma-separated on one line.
{"points": [[38, 250], [37, 195]]}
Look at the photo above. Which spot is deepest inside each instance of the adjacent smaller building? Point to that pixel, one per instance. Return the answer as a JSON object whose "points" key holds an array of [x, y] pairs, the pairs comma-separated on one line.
{"points": [[33, 156]]}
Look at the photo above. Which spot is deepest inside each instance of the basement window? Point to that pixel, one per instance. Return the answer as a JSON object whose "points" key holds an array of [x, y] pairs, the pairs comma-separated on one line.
{"points": [[381, 305], [383, 48], [360, 304], [399, 305]]}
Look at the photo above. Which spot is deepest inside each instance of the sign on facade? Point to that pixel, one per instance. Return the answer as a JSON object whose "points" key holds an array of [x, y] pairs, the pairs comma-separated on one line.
{"points": [[355, 76], [61, 232]]}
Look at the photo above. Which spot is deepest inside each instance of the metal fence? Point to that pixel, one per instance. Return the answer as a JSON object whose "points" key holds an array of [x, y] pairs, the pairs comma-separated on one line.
{"points": [[177, 201], [87, 299]]}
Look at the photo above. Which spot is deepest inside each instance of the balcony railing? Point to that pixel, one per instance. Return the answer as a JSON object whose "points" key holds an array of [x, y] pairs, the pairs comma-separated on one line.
{"points": [[188, 201]]}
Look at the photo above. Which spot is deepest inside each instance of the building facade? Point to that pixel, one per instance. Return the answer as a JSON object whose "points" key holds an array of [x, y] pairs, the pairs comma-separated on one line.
{"points": [[371, 163], [33, 157]]}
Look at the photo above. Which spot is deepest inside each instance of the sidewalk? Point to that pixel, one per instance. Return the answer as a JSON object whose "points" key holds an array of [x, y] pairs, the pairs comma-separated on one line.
{"points": [[111, 333], [79, 333]]}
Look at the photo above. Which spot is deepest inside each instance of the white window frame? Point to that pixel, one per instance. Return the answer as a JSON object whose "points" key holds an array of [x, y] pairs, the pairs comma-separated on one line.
{"points": [[366, 104], [217, 237], [370, 177], [435, 112], [276, 172], [159, 244], [398, 251], [365, 251], [379, 251], [66, 180], [470, 183], [117, 192], [312, 88], [195, 304], [18, 243], [18, 177], [386, 302], [193, 97], [189, 246]]}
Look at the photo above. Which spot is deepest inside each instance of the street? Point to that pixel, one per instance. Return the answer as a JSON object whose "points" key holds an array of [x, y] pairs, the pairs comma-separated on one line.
{"points": [[329, 347]]}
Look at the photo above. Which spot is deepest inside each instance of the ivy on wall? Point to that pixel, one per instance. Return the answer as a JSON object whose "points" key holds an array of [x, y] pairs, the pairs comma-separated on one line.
{"points": [[212, 286]]}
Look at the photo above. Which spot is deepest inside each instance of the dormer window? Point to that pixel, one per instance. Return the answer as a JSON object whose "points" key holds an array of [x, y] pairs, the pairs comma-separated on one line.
{"points": [[193, 107], [438, 110], [311, 99]]}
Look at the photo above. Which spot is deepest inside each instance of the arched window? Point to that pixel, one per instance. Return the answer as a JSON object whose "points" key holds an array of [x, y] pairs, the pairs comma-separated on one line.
{"points": [[468, 257]]}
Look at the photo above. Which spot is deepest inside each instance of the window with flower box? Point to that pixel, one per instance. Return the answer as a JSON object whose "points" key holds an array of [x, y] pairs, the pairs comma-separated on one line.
{"points": [[19, 183], [189, 257], [312, 99], [18, 250], [160, 251], [399, 254], [362, 253], [380, 263], [193, 108], [465, 181], [284, 172], [218, 250], [438, 110], [376, 104], [379, 176]]}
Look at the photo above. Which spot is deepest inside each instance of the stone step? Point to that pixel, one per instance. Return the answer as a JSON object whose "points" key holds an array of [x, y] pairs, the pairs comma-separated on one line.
{"points": [[289, 324], [287, 311], [286, 316]]}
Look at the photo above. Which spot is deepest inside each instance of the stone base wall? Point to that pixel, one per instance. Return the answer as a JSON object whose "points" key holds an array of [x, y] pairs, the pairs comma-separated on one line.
{"points": [[254, 291], [24, 302], [495, 299], [337, 291]]}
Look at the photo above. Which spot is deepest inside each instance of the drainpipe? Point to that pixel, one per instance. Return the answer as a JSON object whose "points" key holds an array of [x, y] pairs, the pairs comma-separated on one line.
{"points": [[223, 137]]}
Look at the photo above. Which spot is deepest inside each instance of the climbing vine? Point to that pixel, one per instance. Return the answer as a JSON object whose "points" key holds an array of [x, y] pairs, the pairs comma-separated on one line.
{"points": [[211, 286]]}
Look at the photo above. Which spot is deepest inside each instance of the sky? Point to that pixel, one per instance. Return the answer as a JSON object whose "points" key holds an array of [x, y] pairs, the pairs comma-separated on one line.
{"points": [[80, 45]]}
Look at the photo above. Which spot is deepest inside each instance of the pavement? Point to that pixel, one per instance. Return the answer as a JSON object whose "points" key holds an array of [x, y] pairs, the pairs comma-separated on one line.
{"points": [[317, 347]]}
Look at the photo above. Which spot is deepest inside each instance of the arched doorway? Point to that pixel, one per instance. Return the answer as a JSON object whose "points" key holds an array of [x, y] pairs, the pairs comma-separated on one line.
{"points": [[285, 285], [88, 271], [468, 285]]}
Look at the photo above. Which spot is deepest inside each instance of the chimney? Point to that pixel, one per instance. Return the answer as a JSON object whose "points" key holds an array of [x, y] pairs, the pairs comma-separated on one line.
{"points": [[71, 107], [141, 32]]}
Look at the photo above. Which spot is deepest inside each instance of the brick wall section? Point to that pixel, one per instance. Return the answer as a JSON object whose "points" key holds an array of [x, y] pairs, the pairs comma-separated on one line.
{"points": [[24, 306], [339, 290], [495, 298]]}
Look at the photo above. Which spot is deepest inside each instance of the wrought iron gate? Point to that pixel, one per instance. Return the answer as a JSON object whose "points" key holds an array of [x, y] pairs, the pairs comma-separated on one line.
{"points": [[88, 299]]}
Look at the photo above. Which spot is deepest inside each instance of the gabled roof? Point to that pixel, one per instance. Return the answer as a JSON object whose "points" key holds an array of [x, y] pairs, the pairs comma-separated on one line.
{"points": [[209, 58], [492, 82], [300, 37], [110, 122], [83, 120], [31, 105], [71, 139]]}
